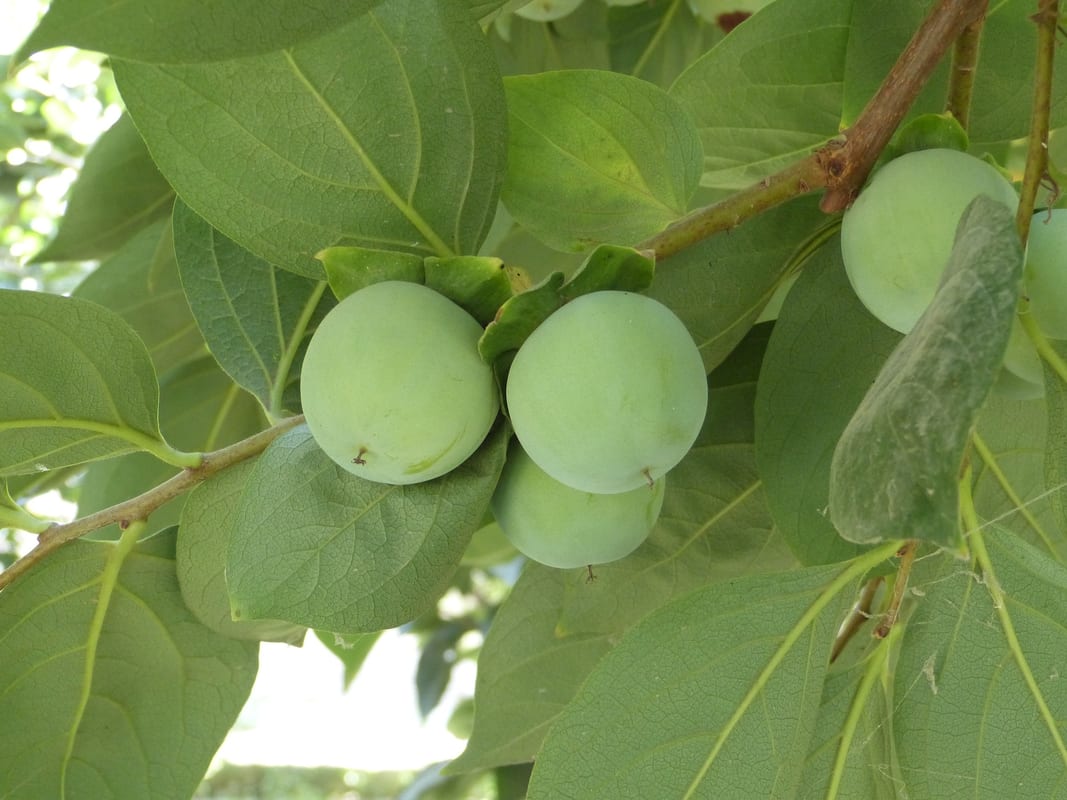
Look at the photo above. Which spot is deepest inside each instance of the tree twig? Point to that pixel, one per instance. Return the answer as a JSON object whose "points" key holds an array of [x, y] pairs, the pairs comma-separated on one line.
{"points": [[964, 66], [142, 506], [842, 165], [1046, 18], [861, 612]]}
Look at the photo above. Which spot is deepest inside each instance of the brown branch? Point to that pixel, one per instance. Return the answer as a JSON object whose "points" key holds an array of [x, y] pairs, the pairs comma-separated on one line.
{"points": [[1046, 18], [142, 506], [858, 618], [842, 165], [907, 558], [964, 66], [847, 166]]}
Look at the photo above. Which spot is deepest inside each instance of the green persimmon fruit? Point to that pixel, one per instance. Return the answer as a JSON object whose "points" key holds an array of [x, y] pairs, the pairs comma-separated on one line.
{"points": [[566, 528], [608, 393], [393, 387], [1046, 271], [896, 238]]}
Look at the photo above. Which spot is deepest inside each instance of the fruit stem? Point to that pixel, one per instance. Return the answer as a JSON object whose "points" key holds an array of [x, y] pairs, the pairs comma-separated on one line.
{"points": [[1047, 17]]}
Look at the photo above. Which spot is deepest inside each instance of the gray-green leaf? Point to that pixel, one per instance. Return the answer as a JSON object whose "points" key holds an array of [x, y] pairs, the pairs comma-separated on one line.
{"points": [[118, 192], [896, 468]]}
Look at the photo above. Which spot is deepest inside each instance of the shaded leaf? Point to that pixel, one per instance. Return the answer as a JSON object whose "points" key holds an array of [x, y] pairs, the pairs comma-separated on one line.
{"points": [[719, 287], [317, 546], [400, 141], [180, 31], [896, 468], [255, 318], [76, 384], [789, 57], [118, 192], [824, 352], [683, 704], [207, 519], [116, 689], [966, 722], [1056, 452], [657, 41], [140, 282], [596, 157]]}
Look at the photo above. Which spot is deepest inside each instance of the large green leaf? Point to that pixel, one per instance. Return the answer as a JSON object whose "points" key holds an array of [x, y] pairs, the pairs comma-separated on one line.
{"points": [[254, 317], [657, 41], [824, 352], [207, 519], [76, 384], [315, 545], [108, 686], [719, 287], [387, 133], [178, 31], [140, 282], [714, 695], [967, 699], [596, 157], [528, 671], [1003, 89], [200, 410], [789, 57], [118, 192], [896, 468], [1056, 452]]}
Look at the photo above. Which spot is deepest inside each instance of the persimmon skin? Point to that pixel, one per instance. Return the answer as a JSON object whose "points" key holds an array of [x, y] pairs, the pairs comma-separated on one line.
{"points": [[896, 238], [392, 385], [1046, 271], [566, 528], [608, 393]]}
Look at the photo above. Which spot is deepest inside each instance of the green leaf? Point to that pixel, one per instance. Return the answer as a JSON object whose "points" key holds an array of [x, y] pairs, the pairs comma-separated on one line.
{"points": [[719, 287], [612, 267], [255, 318], [351, 649], [683, 704], [349, 269], [966, 721], [852, 751], [789, 57], [207, 519], [118, 192], [1056, 452], [825, 351], [657, 41], [317, 546], [200, 410], [400, 143], [528, 671], [478, 284], [1003, 89], [596, 157], [140, 282], [519, 317], [109, 686], [76, 384], [12, 515], [180, 31], [896, 468], [576, 41]]}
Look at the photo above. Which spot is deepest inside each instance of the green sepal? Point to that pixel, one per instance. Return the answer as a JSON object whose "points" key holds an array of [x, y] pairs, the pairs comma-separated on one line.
{"points": [[519, 316], [611, 267], [349, 269], [478, 284]]}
